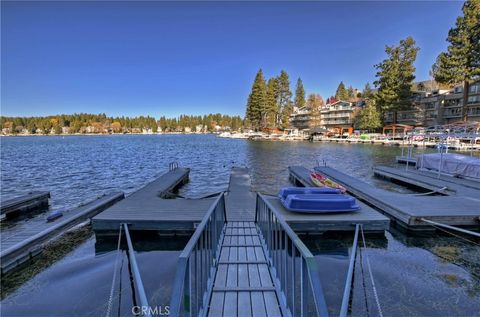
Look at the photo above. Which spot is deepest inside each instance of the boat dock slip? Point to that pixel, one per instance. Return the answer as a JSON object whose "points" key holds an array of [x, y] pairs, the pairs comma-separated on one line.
{"points": [[408, 209], [429, 180], [23, 240], [371, 219], [240, 200], [31, 201], [145, 209]]}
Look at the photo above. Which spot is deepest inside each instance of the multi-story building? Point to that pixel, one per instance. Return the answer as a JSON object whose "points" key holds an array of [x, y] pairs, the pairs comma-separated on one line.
{"points": [[440, 107], [337, 116]]}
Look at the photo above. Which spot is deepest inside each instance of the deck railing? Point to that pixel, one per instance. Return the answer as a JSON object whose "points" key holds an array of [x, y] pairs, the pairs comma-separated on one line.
{"points": [[196, 265], [293, 265]]}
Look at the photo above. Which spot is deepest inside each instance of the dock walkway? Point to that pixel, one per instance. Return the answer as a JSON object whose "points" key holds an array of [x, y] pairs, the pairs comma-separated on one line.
{"points": [[21, 241], [243, 285], [145, 209], [430, 181], [31, 201], [240, 200], [408, 210]]}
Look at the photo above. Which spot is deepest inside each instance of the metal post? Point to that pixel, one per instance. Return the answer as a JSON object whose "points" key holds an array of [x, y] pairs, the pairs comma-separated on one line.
{"points": [[136, 273]]}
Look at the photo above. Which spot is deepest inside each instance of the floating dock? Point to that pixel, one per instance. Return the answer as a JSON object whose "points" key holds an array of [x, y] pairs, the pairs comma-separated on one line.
{"points": [[371, 219], [24, 240], [145, 209], [408, 210], [430, 181], [29, 202], [406, 160]]}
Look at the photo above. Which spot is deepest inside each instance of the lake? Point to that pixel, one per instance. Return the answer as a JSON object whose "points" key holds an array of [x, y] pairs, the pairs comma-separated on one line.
{"points": [[435, 275]]}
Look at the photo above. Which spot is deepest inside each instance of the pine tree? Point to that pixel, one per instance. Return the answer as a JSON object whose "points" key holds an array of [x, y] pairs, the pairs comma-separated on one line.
{"points": [[284, 99], [351, 93], [367, 92], [461, 62], [341, 93], [314, 104], [299, 94], [272, 102], [257, 101], [369, 117], [395, 77]]}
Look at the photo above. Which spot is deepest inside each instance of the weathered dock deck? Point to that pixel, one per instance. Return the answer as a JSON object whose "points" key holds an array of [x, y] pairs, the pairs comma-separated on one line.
{"points": [[243, 285], [408, 210], [240, 200], [29, 202], [145, 209], [371, 219], [23, 240], [430, 180]]}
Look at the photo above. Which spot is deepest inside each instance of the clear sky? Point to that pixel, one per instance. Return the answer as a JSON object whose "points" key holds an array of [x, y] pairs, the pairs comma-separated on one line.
{"points": [[164, 58]]}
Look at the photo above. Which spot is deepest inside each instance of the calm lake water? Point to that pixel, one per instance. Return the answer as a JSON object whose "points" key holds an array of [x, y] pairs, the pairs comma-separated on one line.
{"points": [[415, 276]]}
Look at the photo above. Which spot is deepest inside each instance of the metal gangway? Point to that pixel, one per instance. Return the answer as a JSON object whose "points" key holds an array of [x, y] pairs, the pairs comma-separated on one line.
{"points": [[245, 268]]}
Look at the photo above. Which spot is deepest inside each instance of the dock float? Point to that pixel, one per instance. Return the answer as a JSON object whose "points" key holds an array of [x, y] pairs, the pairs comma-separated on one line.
{"points": [[147, 209], [406, 160], [27, 239], [29, 202], [430, 180], [407, 210], [371, 219]]}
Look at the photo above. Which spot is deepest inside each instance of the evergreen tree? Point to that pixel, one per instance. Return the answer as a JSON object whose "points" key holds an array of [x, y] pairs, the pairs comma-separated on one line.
{"points": [[369, 117], [395, 77], [461, 61], [272, 102], [284, 99], [341, 93], [257, 102], [367, 92], [314, 104], [299, 94], [351, 93]]}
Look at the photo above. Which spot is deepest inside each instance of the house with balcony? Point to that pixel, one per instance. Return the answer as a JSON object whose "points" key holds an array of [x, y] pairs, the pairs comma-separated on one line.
{"points": [[301, 118], [338, 116]]}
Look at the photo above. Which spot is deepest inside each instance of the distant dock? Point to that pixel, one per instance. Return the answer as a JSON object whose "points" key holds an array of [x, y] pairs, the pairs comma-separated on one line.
{"points": [[408, 210], [32, 201]]}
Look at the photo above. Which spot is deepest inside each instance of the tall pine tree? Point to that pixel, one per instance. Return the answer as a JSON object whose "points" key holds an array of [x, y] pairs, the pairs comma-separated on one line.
{"points": [[395, 76], [257, 102], [461, 61], [272, 102], [341, 93], [284, 100], [299, 94]]}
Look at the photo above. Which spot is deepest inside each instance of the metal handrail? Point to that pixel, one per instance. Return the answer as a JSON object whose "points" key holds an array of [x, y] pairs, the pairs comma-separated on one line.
{"points": [[351, 269], [196, 265], [136, 274], [172, 166], [292, 264]]}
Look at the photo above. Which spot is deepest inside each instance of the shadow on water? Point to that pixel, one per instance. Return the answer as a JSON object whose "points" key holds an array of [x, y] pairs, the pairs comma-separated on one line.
{"points": [[80, 283], [434, 275]]}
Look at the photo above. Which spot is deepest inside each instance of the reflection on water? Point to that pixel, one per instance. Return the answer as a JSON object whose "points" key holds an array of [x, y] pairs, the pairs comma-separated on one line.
{"points": [[433, 276], [422, 276]]}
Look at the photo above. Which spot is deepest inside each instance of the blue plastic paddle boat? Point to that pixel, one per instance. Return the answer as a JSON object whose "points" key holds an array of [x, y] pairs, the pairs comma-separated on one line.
{"points": [[320, 203], [284, 192]]}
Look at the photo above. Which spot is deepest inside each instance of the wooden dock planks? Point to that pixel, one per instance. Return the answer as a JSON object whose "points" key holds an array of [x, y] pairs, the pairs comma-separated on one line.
{"points": [[371, 219], [145, 209], [243, 285], [240, 200], [29, 202], [26, 239], [430, 181], [407, 209]]}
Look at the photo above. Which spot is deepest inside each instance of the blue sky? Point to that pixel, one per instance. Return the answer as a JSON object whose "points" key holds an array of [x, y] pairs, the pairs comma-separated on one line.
{"points": [[165, 58]]}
